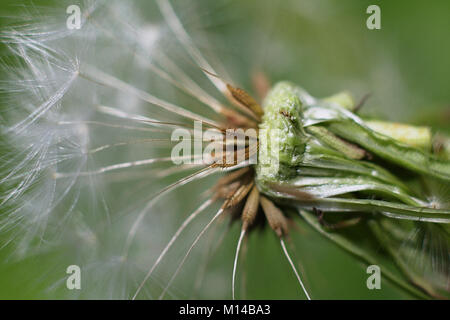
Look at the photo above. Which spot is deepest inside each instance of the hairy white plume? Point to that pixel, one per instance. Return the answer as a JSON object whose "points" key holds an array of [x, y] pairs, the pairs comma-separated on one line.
{"points": [[79, 172]]}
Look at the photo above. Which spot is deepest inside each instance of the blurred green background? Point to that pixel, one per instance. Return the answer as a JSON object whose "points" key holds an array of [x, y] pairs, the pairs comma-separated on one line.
{"points": [[324, 46]]}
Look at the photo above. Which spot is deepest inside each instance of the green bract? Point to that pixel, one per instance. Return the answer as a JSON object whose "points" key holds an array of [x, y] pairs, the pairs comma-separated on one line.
{"points": [[322, 148]]}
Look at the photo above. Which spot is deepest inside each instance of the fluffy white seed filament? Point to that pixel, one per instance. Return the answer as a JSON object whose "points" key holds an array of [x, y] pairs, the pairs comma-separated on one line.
{"points": [[186, 222], [221, 210], [238, 248], [294, 269]]}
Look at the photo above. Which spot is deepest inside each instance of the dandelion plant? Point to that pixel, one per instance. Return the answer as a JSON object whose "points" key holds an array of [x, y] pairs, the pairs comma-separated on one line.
{"points": [[128, 150]]}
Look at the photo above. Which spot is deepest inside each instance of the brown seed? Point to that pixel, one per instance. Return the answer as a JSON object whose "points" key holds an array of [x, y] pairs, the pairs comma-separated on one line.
{"points": [[239, 195], [245, 99], [250, 209], [277, 221]]}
